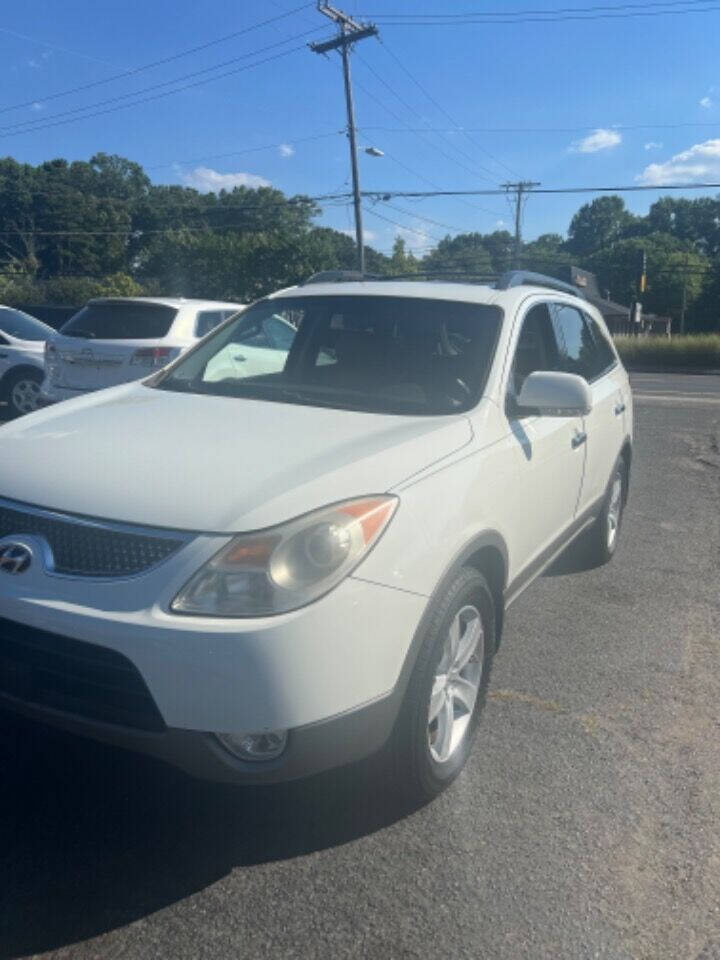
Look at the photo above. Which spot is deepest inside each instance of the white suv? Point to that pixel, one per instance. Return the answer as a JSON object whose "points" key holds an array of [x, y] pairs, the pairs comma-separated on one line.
{"points": [[258, 576], [119, 339]]}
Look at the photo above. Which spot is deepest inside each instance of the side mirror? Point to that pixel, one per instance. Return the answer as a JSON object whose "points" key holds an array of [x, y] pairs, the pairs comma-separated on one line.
{"points": [[554, 394]]}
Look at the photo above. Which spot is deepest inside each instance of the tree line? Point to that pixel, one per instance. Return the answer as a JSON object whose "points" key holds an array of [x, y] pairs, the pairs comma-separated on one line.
{"points": [[73, 230]]}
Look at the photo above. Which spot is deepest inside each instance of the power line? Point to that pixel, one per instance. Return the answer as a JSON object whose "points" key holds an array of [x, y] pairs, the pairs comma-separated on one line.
{"points": [[548, 11], [491, 176], [321, 199], [442, 109], [482, 19], [240, 153], [417, 216], [30, 126], [421, 194], [427, 142], [155, 63], [401, 226]]}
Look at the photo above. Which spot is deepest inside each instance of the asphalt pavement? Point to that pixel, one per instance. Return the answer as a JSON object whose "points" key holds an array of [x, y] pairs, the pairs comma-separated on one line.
{"points": [[586, 825]]}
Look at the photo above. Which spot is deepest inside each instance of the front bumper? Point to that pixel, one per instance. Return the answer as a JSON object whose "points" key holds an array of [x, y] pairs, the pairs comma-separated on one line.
{"points": [[312, 749], [331, 674]]}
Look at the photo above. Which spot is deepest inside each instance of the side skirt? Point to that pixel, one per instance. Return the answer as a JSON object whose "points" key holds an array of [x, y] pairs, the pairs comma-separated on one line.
{"points": [[537, 566]]}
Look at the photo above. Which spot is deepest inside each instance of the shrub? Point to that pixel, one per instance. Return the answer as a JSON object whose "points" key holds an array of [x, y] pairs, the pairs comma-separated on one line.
{"points": [[697, 352]]}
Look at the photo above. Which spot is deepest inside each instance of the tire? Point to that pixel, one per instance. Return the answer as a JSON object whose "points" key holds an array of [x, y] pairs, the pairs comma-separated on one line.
{"points": [[605, 531], [22, 390], [422, 767]]}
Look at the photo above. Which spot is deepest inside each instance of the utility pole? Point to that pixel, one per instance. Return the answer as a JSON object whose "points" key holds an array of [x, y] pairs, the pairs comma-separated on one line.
{"points": [[683, 307], [350, 32], [519, 189]]}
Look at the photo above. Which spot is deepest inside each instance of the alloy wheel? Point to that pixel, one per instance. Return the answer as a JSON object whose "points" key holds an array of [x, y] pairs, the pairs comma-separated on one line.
{"points": [[456, 684], [614, 510], [24, 395]]}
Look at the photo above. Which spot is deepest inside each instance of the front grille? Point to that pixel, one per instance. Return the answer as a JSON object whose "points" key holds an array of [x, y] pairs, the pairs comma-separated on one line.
{"points": [[86, 548], [47, 670]]}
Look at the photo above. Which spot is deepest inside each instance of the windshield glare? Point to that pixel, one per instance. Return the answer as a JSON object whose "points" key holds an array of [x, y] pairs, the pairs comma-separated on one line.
{"points": [[375, 353], [22, 326]]}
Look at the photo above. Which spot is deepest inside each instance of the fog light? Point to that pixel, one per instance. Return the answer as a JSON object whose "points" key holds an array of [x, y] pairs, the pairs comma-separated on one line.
{"points": [[264, 745]]}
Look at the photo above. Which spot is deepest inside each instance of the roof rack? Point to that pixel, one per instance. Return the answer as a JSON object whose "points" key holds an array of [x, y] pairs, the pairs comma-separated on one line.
{"points": [[518, 278], [349, 276]]}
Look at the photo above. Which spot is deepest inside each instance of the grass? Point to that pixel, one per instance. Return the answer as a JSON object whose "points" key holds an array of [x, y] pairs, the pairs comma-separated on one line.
{"points": [[696, 352]]}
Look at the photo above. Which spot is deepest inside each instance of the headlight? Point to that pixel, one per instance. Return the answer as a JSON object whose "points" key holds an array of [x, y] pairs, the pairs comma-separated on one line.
{"points": [[276, 570]]}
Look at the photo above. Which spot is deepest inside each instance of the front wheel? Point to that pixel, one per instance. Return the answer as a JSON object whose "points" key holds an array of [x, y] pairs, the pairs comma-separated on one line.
{"points": [[23, 392], [446, 693]]}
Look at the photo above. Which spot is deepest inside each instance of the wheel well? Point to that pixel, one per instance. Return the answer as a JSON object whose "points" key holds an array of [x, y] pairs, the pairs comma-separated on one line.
{"points": [[12, 373], [490, 562]]}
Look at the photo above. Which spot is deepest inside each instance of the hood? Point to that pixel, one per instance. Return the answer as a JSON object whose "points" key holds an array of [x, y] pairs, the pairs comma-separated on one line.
{"points": [[212, 464]]}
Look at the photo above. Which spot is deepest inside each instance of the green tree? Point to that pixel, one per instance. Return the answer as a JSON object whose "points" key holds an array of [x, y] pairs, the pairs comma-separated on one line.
{"points": [[464, 253], [671, 266], [692, 221], [598, 225], [548, 254], [401, 260]]}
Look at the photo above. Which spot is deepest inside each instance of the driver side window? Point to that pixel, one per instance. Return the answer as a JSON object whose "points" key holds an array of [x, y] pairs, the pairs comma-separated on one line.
{"points": [[536, 348]]}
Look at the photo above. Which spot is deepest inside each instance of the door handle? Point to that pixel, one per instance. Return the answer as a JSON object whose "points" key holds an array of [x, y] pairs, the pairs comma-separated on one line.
{"points": [[619, 408], [578, 440]]}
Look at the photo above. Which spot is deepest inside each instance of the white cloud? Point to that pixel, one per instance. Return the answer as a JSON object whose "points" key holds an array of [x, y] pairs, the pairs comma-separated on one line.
{"points": [[369, 235], [653, 145], [285, 150], [701, 162], [707, 103], [37, 106], [599, 139], [206, 180], [500, 223], [33, 63]]}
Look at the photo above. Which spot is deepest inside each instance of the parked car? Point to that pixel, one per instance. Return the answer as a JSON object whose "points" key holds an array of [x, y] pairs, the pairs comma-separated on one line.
{"points": [[119, 339], [22, 342], [258, 577]]}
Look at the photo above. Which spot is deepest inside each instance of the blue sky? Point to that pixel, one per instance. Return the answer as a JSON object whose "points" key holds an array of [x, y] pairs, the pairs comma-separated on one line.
{"points": [[579, 83]]}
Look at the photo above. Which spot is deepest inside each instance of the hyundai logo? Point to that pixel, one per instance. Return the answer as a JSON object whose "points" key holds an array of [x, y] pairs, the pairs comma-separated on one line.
{"points": [[15, 558]]}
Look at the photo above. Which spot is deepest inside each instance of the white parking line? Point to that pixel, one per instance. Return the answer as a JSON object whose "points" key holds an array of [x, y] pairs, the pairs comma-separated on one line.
{"points": [[705, 398]]}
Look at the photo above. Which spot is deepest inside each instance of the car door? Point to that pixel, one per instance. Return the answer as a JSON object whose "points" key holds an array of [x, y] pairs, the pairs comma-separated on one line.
{"points": [[583, 349], [549, 455]]}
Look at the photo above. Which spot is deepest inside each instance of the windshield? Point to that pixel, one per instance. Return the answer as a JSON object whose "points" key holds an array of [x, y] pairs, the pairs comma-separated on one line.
{"points": [[21, 325], [374, 353], [121, 321]]}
